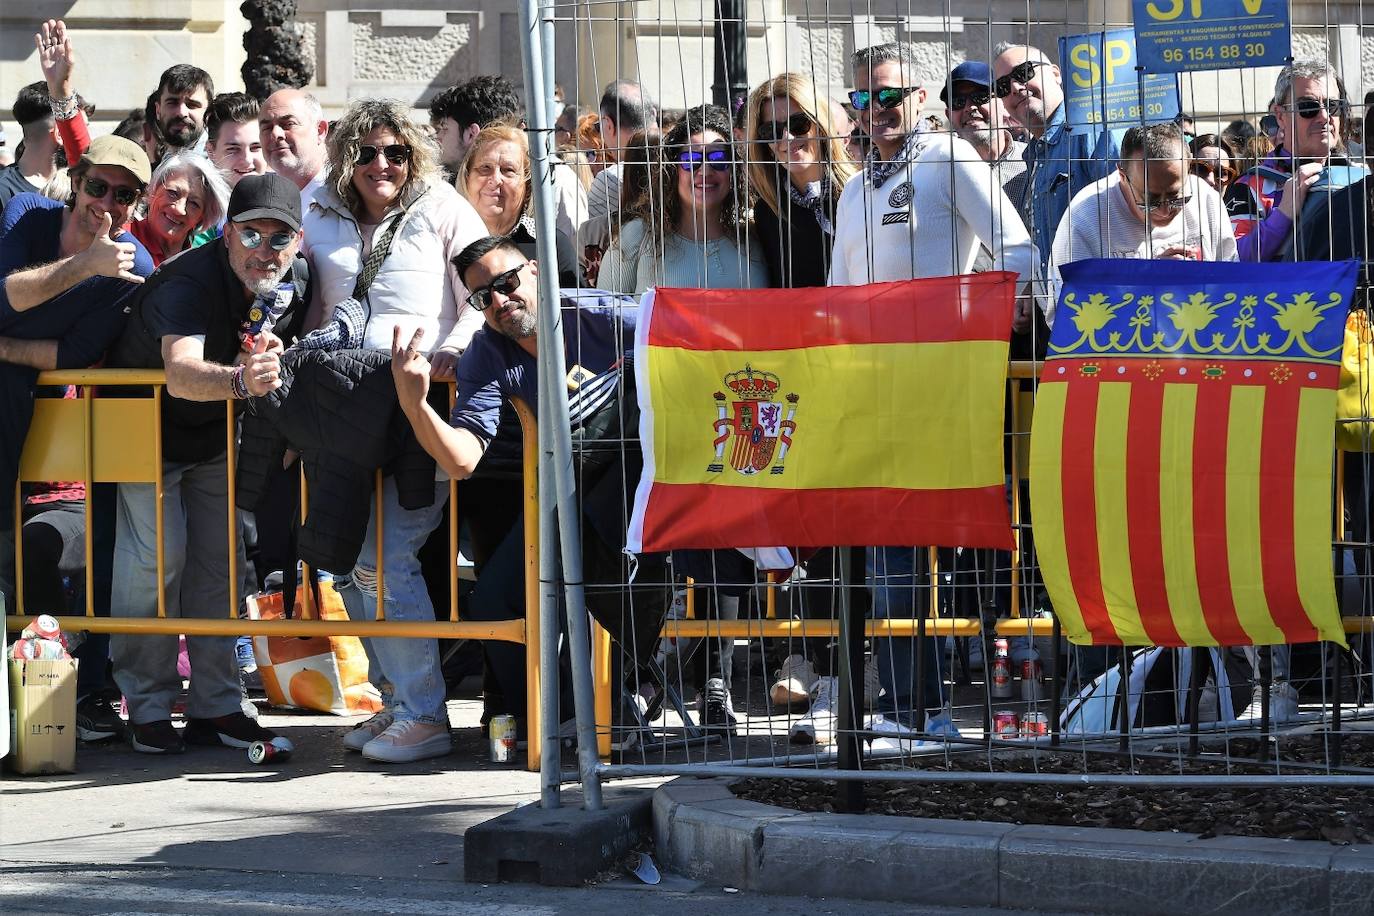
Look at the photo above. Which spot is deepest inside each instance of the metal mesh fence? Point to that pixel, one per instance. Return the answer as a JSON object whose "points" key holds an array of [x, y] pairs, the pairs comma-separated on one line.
{"points": [[921, 660]]}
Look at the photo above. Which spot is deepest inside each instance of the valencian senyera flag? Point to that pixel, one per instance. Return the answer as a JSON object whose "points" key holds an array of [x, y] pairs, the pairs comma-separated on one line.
{"points": [[1181, 452], [847, 415]]}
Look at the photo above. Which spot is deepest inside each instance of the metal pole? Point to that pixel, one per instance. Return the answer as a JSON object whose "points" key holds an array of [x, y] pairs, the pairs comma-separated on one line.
{"points": [[731, 55], [1045, 779], [555, 445], [849, 793]]}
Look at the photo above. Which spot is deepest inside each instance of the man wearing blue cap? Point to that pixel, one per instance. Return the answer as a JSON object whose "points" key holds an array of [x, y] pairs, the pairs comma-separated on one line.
{"points": [[977, 116]]}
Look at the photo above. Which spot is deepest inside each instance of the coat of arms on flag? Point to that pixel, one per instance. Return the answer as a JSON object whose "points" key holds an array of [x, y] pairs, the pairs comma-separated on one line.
{"points": [[760, 426], [899, 387], [1181, 453]]}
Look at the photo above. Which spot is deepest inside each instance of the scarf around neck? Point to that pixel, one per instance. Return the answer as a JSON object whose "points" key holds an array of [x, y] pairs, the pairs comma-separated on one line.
{"points": [[880, 170], [814, 198]]}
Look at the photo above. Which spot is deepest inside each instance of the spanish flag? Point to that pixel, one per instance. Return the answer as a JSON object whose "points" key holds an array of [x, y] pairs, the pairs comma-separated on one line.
{"points": [[850, 415], [1181, 452]]}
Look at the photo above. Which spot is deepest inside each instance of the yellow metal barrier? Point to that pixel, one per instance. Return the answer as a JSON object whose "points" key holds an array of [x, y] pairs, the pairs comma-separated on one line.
{"points": [[121, 442]]}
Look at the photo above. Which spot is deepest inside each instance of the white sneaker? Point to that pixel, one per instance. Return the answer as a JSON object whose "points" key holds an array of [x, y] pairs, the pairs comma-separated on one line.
{"points": [[1283, 703], [406, 741], [795, 681], [818, 725], [895, 738], [364, 732]]}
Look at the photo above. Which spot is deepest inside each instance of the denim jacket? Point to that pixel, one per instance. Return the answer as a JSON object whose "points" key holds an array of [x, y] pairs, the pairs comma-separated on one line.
{"points": [[1062, 162]]}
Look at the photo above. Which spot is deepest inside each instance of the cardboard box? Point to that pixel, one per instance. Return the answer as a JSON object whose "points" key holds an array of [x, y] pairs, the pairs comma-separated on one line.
{"points": [[42, 716]]}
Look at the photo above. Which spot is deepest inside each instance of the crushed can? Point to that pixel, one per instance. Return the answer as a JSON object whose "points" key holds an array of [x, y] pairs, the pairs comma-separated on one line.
{"points": [[1035, 725], [278, 750], [501, 730], [1005, 725], [1030, 681]]}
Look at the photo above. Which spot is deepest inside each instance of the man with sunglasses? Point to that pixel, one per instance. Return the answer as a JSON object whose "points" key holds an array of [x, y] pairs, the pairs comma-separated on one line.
{"points": [[1152, 206], [924, 205], [499, 363], [215, 318], [1266, 203], [68, 270], [1061, 158]]}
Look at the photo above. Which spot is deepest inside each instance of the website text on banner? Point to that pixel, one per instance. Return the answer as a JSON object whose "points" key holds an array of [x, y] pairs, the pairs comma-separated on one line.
{"points": [[826, 416], [1181, 453], [1176, 36]]}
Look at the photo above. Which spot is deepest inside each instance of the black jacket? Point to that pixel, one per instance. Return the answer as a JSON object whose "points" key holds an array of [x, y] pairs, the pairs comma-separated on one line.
{"points": [[339, 410], [203, 281], [795, 248]]}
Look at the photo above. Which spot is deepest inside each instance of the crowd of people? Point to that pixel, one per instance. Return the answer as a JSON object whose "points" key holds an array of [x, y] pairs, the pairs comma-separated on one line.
{"points": [[249, 248]]}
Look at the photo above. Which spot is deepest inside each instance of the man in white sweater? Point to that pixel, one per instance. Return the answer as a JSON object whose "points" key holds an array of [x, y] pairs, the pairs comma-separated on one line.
{"points": [[924, 205], [1150, 207]]}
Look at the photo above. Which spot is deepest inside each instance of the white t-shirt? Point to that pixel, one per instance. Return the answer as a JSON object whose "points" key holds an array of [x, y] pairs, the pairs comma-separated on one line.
{"points": [[1102, 223]]}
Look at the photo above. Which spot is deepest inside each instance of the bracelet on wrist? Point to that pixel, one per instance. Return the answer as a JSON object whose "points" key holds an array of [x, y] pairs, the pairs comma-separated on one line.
{"points": [[237, 386], [63, 109]]}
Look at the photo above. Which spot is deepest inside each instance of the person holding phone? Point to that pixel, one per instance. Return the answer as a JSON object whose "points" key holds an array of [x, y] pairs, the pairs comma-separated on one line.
{"points": [[1310, 107]]}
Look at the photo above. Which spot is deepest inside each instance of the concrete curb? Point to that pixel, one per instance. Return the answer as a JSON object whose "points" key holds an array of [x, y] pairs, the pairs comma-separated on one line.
{"points": [[702, 830]]}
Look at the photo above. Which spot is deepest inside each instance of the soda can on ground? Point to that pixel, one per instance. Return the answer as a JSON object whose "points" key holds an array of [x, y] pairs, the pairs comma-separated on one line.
{"points": [[1034, 725], [501, 730], [1004, 724], [278, 750], [1001, 678]]}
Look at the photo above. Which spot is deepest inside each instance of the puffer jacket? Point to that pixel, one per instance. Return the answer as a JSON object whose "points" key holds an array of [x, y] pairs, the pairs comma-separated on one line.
{"points": [[339, 411], [417, 286]]}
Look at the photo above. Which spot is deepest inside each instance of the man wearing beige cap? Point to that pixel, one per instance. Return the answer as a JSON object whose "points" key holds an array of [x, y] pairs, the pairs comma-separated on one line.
{"points": [[67, 270]]}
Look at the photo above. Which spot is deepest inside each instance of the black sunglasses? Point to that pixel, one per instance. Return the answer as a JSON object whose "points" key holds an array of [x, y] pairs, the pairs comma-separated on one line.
{"points": [[717, 159], [887, 97], [798, 125], [1308, 108], [504, 283], [976, 98], [1022, 73], [123, 194], [395, 153], [252, 238]]}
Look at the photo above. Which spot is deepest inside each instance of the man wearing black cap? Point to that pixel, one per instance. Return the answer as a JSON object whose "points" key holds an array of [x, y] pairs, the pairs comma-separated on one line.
{"points": [[215, 318]]}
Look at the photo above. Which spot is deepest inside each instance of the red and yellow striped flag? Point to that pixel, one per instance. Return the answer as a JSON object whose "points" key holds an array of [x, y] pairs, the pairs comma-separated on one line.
{"points": [[852, 415], [1181, 452]]}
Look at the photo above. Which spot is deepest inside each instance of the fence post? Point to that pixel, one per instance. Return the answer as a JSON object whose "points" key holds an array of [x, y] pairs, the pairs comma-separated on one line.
{"points": [[555, 442]]}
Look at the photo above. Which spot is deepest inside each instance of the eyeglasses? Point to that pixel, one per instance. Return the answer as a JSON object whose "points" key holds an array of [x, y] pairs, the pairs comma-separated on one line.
{"points": [[1308, 108], [123, 194], [886, 97], [277, 241], [798, 125], [395, 153], [1022, 73], [716, 159], [1206, 171], [1149, 202], [504, 283], [976, 99]]}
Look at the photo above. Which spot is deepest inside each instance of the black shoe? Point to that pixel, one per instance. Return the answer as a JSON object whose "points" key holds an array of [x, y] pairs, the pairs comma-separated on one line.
{"points": [[96, 720], [719, 710], [157, 738], [233, 730]]}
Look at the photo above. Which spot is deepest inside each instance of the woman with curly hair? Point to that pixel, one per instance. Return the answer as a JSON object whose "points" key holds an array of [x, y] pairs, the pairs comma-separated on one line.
{"points": [[381, 235], [691, 228], [495, 178], [797, 167]]}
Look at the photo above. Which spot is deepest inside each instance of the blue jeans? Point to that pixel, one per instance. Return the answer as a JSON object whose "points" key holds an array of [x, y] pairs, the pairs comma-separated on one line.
{"points": [[901, 589], [409, 666]]}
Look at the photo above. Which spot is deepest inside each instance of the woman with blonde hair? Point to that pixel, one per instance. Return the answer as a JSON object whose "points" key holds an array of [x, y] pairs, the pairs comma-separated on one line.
{"points": [[495, 178], [798, 164], [381, 235], [187, 195], [691, 227]]}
